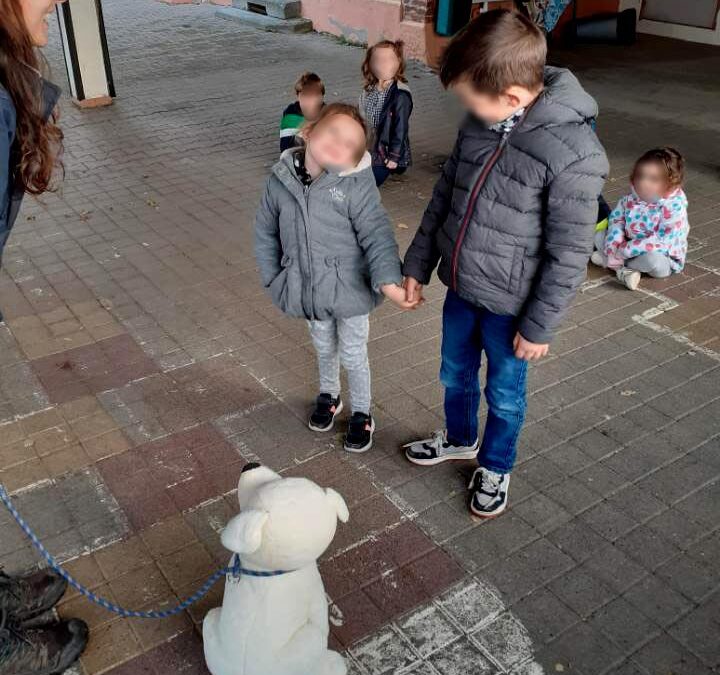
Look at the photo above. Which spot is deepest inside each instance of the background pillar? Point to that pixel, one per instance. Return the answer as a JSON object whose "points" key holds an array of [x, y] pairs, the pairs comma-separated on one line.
{"points": [[421, 11], [86, 52]]}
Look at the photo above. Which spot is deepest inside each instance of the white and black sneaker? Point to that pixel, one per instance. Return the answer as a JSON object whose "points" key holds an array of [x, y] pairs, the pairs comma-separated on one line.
{"points": [[488, 492], [436, 449], [359, 437], [629, 278], [326, 410]]}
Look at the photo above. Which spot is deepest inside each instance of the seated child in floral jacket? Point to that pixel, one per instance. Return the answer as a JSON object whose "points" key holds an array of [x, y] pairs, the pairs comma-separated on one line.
{"points": [[647, 232]]}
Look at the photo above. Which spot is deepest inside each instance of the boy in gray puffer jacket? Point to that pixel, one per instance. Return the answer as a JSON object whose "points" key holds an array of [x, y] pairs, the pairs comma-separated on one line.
{"points": [[511, 225], [326, 252]]}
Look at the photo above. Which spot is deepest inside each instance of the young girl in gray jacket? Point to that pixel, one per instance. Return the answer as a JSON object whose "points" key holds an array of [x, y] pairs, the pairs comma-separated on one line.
{"points": [[326, 252]]}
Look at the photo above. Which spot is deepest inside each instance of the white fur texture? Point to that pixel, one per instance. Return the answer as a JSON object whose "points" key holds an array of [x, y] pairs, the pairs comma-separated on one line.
{"points": [[276, 625]]}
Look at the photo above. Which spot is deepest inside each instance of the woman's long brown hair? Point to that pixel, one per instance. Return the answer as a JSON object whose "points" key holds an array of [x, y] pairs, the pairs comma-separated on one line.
{"points": [[39, 140]]}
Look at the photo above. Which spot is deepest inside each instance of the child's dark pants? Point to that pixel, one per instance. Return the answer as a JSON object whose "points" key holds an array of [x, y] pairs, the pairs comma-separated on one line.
{"points": [[382, 173], [467, 332]]}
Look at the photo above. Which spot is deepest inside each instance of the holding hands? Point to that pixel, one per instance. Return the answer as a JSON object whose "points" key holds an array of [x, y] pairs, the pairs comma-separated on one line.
{"points": [[398, 295], [406, 296]]}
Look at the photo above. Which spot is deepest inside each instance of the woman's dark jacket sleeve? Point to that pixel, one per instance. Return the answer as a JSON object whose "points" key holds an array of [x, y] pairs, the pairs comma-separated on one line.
{"points": [[7, 136]]}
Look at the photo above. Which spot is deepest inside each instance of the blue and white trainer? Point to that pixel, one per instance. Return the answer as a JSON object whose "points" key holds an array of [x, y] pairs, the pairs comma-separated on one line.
{"points": [[436, 449], [488, 492]]}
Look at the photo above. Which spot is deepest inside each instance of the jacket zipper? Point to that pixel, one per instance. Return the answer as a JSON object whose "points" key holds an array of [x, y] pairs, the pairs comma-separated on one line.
{"points": [[471, 205], [476, 189], [306, 191]]}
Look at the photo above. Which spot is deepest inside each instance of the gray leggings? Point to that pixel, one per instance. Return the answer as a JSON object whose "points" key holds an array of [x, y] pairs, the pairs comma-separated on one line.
{"points": [[344, 341], [655, 264]]}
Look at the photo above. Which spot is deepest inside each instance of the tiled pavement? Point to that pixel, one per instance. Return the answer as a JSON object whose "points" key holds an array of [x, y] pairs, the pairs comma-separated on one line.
{"points": [[141, 366]]}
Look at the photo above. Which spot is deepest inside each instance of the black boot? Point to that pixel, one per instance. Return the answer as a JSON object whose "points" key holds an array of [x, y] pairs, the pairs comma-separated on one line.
{"points": [[26, 597], [45, 651]]}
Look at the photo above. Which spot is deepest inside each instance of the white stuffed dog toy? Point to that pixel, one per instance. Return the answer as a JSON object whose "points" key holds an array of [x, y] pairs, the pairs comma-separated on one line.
{"points": [[276, 625]]}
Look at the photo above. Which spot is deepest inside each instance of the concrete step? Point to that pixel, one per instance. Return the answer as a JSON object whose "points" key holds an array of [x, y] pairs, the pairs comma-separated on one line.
{"points": [[281, 9], [269, 23]]}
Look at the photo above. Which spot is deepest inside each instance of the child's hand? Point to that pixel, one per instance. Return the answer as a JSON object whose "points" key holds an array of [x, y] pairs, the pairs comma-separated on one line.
{"points": [[413, 288], [391, 165], [399, 296], [528, 351]]}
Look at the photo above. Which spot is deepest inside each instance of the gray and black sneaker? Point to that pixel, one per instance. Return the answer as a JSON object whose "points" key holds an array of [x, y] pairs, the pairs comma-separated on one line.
{"points": [[26, 597], [359, 437], [45, 651], [436, 449], [488, 492], [326, 410]]}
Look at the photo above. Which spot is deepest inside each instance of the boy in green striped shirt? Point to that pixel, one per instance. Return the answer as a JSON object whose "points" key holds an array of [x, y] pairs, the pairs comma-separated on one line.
{"points": [[310, 92]]}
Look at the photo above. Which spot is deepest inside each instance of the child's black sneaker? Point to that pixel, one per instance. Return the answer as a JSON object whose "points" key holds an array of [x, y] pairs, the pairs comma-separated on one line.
{"points": [[436, 449], [359, 437], [488, 492], [326, 410]]}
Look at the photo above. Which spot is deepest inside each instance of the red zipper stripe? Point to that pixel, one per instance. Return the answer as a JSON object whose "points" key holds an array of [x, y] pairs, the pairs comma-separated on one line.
{"points": [[474, 195], [471, 205]]}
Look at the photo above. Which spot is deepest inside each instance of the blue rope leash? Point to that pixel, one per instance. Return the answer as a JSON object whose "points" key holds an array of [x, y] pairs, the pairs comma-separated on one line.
{"points": [[234, 571]]}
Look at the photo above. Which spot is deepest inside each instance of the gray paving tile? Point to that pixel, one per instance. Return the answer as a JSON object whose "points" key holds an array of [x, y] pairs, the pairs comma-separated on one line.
{"points": [[528, 569], [616, 569], [658, 601], [581, 591], [483, 545], [544, 615], [665, 654], [577, 540], [677, 527], [607, 521], [544, 514], [626, 626], [647, 547], [581, 650], [696, 633]]}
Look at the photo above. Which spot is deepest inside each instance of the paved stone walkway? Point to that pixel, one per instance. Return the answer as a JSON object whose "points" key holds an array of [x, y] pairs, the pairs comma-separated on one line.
{"points": [[141, 365]]}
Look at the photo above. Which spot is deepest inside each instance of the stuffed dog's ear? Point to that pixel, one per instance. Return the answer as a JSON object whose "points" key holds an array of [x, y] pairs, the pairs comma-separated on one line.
{"points": [[338, 503], [252, 478], [243, 533]]}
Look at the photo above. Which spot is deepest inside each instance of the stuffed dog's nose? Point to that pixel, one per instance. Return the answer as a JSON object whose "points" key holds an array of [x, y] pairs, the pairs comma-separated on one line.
{"points": [[250, 466]]}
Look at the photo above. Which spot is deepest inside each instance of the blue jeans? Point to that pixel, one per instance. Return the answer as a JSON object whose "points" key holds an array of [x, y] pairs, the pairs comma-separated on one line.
{"points": [[467, 332]]}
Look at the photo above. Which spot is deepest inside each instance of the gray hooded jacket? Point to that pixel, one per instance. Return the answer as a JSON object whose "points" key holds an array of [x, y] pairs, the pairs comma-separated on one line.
{"points": [[324, 251], [512, 219]]}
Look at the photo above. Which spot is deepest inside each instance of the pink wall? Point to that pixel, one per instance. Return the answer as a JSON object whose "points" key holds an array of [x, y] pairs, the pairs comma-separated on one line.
{"points": [[365, 21]]}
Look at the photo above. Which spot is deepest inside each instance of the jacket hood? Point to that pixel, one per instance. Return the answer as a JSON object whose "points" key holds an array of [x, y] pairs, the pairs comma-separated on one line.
{"points": [[286, 160], [563, 101], [676, 198]]}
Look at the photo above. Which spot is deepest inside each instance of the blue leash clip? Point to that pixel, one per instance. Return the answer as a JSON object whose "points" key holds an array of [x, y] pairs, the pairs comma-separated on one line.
{"points": [[233, 573]]}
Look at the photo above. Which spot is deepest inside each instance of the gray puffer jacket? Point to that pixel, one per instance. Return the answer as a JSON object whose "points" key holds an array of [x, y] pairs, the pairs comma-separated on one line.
{"points": [[512, 219], [324, 251]]}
